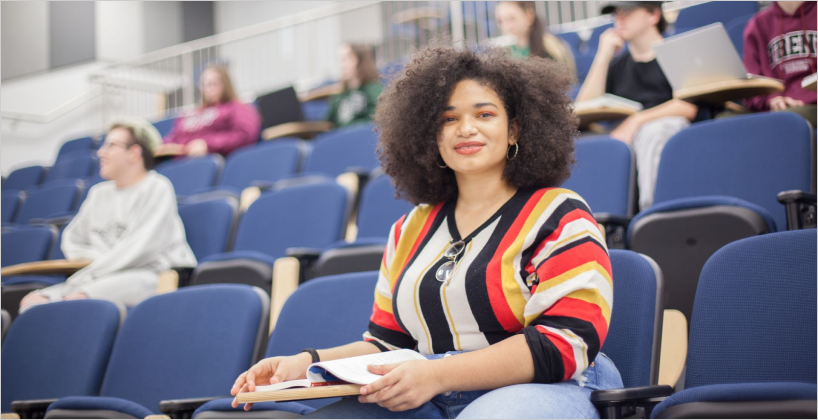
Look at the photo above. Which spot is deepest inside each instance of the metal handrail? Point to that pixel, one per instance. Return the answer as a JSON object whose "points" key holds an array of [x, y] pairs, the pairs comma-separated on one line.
{"points": [[245, 32], [55, 113]]}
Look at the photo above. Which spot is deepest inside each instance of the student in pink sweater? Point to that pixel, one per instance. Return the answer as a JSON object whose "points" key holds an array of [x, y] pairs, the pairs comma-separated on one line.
{"points": [[222, 124], [779, 42]]}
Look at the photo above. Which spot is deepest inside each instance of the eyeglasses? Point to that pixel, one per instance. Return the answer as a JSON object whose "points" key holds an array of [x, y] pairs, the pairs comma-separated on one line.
{"points": [[108, 145], [446, 271]]}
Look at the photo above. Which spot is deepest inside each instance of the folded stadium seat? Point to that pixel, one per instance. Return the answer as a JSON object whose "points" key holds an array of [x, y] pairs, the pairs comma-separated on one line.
{"points": [[341, 318], [306, 216], [752, 337], [59, 198], [583, 61], [257, 166], [593, 41], [189, 176], [605, 176], [78, 164], [188, 343], [55, 253], [635, 332], [718, 182], [572, 39], [735, 29], [209, 225], [10, 201], [26, 244], [315, 110], [349, 149], [378, 210], [164, 126], [57, 350], [709, 12], [81, 144], [5, 321], [29, 244], [25, 178]]}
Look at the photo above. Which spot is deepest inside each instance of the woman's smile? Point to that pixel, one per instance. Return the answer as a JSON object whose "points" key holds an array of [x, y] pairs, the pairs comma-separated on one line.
{"points": [[468, 147]]}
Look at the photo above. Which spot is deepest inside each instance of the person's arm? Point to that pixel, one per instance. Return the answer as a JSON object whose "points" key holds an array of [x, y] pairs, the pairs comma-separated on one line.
{"points": [[174, 135], [566, 321], [383, 334], [754, 56], [148, 231], [672, 108], [244, 130], [595, 82], [76, 243]]}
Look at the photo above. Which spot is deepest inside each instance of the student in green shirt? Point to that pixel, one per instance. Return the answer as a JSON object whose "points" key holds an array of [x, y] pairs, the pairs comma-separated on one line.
{"points": [[362, 87], [519, 19]]}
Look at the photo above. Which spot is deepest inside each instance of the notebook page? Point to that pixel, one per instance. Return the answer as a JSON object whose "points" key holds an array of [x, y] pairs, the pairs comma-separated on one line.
{"points": [[354, 369]]}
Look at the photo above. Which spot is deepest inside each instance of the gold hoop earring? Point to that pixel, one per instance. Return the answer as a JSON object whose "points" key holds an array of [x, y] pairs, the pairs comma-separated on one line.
{"points": [[516, 150], [443, 166]]}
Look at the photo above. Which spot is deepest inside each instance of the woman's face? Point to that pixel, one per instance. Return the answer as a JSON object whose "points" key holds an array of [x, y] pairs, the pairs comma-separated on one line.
{"points": [[349, 63], [475, 135], [513, 20], [212, 87]]}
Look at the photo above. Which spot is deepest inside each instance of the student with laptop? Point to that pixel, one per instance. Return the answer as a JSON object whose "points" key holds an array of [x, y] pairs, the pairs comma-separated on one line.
{"points": [[636, 75], [222, 124], [779, 42]]}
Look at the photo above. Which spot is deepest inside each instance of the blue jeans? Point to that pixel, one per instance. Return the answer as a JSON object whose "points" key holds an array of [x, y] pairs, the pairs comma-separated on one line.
{"points": [[525, 401]]}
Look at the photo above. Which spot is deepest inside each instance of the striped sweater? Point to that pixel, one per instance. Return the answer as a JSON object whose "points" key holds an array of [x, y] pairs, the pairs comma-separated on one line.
{"points": [[538, 267]]}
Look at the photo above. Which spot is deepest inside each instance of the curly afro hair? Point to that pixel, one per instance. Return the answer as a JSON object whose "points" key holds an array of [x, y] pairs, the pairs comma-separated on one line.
{"points": [[409, 119]]}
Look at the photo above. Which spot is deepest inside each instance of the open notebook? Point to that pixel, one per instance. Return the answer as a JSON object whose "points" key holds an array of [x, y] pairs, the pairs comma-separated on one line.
{"points": [[607, 101], [335, 378]]}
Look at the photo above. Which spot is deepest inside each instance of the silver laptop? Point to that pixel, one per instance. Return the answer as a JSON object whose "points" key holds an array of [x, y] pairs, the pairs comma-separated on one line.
{"points": [[701, 56]]}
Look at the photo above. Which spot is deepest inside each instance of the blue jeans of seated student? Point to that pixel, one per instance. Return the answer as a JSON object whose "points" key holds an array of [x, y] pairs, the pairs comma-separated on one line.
{"points": [[566, 400]]}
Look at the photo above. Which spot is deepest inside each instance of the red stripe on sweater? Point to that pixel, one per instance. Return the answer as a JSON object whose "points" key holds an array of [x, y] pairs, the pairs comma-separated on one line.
{"points": [[494, 273], [566, 351]]}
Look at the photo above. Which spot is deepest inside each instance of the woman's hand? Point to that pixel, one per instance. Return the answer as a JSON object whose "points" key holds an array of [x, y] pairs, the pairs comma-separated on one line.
{"points": [[780, 103], [197, 148], [405, 385], [271, 371]]}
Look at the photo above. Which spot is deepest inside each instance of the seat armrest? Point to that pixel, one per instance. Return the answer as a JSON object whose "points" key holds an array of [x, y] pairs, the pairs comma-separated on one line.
{"points": [[31, 409], [615, 228], [307, 257], [264, 185], [626, 403], [184, 274], [800, 208], [184, 408], [60, 219]]}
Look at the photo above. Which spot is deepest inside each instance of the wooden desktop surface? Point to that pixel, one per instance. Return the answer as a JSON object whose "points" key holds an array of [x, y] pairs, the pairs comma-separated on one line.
{"points": [[298, 129], [67, 267], [720, 92]]}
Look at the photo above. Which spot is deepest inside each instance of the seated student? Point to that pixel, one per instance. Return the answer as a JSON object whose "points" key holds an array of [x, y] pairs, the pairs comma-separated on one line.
{"points": [[362, 87], [502, 271], [221, 125], [128, 226], [519, 19], [779, 42], [637, 76]]}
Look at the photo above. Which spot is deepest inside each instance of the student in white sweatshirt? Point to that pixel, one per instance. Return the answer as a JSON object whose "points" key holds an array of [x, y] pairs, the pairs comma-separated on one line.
{"points": [[128, 226]]}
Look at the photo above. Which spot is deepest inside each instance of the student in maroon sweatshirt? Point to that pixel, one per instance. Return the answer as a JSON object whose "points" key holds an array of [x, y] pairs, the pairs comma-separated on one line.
{"points": [[780, 42], [222, 124]]}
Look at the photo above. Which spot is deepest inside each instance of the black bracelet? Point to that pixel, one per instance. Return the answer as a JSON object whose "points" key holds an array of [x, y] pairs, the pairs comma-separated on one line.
{"points": [[313, 353]]}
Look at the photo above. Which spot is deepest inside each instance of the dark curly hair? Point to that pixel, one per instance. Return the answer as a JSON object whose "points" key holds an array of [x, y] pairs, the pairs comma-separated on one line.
{"points": [[409, 119]]}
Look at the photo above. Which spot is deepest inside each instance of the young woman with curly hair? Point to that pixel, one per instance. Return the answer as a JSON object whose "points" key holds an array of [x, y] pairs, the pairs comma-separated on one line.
{"points": [[498, 276]]}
